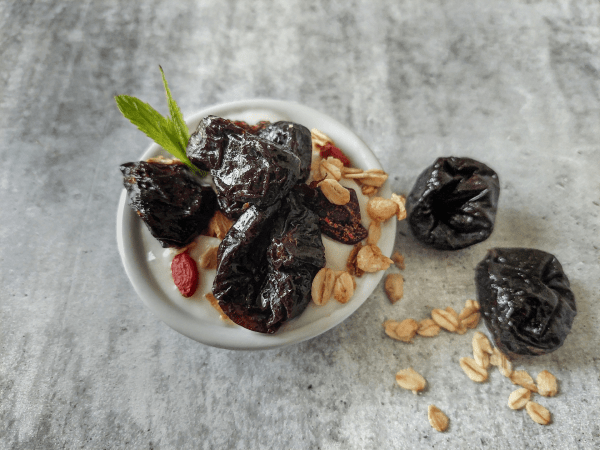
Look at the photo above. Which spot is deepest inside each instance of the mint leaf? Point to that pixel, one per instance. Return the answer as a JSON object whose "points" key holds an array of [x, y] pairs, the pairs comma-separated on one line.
{"points": [[171, 134], [179, 124]]}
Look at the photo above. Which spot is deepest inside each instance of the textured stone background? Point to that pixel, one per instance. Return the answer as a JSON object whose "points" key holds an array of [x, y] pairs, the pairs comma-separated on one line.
{"points": [[84, 364]]}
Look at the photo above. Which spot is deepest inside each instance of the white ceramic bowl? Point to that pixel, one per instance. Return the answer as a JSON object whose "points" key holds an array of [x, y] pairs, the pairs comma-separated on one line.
{"points": [[147, 263]]}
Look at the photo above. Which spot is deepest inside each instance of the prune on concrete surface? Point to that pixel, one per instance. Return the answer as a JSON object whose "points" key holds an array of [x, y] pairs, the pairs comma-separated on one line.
{"points": [[266, 264], [453, 203], [170, 200], [245, 167], [525, 300]]}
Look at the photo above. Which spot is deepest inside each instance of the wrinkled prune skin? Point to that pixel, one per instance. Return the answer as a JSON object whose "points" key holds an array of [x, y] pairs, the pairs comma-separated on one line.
{"points": [[170, 200], [245, 167], [453, 203], [294, 136], [340, 222], [526, 300], [266, 264]]}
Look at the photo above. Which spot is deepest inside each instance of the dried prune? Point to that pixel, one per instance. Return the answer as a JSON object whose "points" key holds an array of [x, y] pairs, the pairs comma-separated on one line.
{"points": [[340, 222], [453, 203], [245, 167], [294, 136], [526, 300], [170, 200], [266, 264]]}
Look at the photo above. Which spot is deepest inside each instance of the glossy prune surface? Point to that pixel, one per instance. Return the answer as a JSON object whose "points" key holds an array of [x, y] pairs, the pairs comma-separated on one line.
{"points": [[294, 136], [170, 200], [525, 299], [245, 168], [453, 203], [266, 264]]}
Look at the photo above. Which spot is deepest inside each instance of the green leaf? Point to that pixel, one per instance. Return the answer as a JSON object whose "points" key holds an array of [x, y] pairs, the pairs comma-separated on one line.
{"points": [[171, 134], [180, 126]]}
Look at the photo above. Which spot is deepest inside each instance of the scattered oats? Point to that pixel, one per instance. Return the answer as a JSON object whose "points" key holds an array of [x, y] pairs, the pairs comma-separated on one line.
{"points": [[428, 328], [371, 177], [445, 319], [322, 286], [522, 378], [381, 209], [370, 259], [215, 304], [331, 168], [401, 331], [482, 349], [473, 370], [398, 260], [471, 321], [351, 263], [394, 287], [334, 191], [319, 139], [219, 225], [470, 316], [350, 171], [343, 288], [400, 200], [546, 383], [460, 328], [504, 365], [411, 380], [208, 260], [538, 413], [368, 190], [519, 398], [437, 419], [374, 233]]}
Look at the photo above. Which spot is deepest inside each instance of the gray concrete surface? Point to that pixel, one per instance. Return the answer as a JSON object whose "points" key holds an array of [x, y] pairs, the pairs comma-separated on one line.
{"points": [[83, 364]]}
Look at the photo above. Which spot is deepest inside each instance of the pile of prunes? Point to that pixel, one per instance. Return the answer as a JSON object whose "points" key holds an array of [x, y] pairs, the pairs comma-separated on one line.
{"points": [[269, 257], [525, 297]]}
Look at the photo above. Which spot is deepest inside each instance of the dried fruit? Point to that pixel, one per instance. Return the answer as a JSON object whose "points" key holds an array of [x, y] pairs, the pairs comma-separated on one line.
{"points": [[381, 209], [370, 259], [185, 274], [473, 370], [401, 331], [519, 398], [208, 260], [322, 286], [538, 413], [546, 383], [411, 380], [329, 149], [394, 287], [169, 199], [428, 328], [453, 203], [437, 419], [343, 288], [525, 299], [522, 378], [445, 319]]}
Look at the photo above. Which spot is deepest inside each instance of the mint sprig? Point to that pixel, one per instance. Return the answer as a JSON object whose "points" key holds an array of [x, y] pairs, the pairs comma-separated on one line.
{"points": [[171, 133]]}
